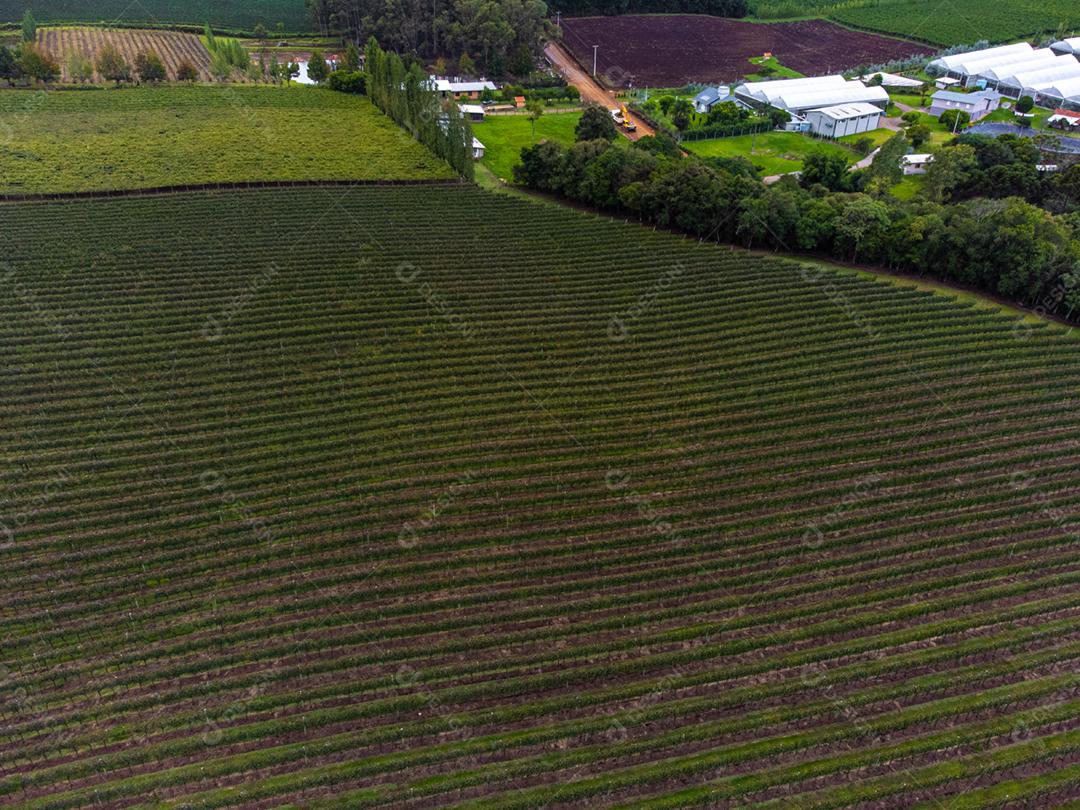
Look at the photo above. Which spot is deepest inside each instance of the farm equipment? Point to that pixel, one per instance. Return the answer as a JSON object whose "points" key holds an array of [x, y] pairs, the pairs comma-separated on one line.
{"points": [[627, 121]]}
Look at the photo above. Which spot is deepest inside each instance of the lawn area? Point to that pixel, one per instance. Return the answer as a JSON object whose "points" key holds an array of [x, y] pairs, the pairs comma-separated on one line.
{"points": [[912, 100], [771, 152], [142, 137], [878, 136], [770, 68], [910, 186], [504, 136]]}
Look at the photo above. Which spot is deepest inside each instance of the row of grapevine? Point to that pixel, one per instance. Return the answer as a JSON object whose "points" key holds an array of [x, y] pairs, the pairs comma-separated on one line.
{"points": [[440, 510]]}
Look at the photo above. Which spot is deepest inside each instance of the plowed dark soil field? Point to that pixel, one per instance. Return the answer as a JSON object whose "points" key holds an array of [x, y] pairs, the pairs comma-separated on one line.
{"points": [[672, 49]]}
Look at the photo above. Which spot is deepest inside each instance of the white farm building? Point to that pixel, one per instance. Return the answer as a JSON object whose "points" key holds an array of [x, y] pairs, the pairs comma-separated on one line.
{"points": [[844, 119], [1045, 74]]}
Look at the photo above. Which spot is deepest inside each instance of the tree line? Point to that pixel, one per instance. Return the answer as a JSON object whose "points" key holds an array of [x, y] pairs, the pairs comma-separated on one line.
{"points": [[496, 36], [717, 8], [406, 95], [1005, 246]]}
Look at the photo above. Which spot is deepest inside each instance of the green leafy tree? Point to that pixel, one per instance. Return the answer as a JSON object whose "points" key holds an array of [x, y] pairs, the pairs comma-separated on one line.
{"points": [[875, 81], [955, 120], [10, 69], [274, 70], [951, 168], [534, 108], [260, 31], [352, 58], [38, 64], [595, 124], [29, 27], [150, 67], [862, 225], [186, 72], [918, 134], [347, 81], [777, 117], [466, 66], [829, 169], [79, 68], [112, 66], [220, 66], [665, 103], [317, 68], [682, 112], [1025, 104]]}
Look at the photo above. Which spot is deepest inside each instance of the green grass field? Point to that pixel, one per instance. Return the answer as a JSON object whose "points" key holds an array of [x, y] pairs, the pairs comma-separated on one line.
{"points": [[240, 15], [140, 137], [504, 136], [432, 497], [772, 152]]}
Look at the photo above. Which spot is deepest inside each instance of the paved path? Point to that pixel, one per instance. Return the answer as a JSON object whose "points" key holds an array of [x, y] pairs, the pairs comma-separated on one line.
{"points": [[589, 88]]}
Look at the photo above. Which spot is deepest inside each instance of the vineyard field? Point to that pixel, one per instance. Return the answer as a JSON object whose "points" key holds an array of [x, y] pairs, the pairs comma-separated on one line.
{"points": [[231, 15], [174, 47], [374, 496], [961, 21], [670, 50], [179, 135]]}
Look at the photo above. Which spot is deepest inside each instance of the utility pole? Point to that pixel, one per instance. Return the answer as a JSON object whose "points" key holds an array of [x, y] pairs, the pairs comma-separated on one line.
{"points": [[594, 47], [558, 17]]}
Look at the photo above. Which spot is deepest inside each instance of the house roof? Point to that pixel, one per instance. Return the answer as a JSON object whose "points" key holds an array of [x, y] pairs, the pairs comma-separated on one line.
{"points": [[966, 98], [817, 98], [953, 61], [893, 80], [458, 86], [842, 112], [476, 143], [472, 109], [918, 158], [709, 94]]}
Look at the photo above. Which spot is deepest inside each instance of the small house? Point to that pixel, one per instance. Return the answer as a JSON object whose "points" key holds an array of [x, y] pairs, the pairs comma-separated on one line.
{"points": [[474, 112], [977, 105], [915, 164], [711, 96], [945, 82], [1064, 119], [519, 102], [477, 148]]}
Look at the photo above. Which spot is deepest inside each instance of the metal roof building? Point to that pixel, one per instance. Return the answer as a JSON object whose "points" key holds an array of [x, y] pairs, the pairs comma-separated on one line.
{"points": [[770, 92], [799, 95], [976, 67], [953, 64], [1065, 93], [1071, 45], [844, 119], [1032, 81], [993, 76]]}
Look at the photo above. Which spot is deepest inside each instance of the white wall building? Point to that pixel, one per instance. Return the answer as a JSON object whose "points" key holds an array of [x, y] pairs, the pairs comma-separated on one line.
{"points": [[798, 96], [844, 119]]}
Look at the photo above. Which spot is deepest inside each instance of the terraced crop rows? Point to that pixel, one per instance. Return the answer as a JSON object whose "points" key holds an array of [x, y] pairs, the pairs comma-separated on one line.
{"points": [[242, 15], [331, 497], [174, 47]]}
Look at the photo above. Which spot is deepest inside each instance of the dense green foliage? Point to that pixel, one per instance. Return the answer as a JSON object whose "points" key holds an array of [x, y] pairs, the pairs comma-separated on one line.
{"points": [[239, 15], [405, 95], [717, 8], [1007, 247], [953, 23], [493, 37], [301, 508], [159, 136], [595, 122]]}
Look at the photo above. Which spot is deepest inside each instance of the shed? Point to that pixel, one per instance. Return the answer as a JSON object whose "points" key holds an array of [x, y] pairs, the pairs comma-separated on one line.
{"points": [[916, 164], [477, 148], [977, 105], [474, 112], [844, 119]]}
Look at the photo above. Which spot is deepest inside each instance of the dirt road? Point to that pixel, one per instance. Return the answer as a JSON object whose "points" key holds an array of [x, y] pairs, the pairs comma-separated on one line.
{"points": [[589, 88]]}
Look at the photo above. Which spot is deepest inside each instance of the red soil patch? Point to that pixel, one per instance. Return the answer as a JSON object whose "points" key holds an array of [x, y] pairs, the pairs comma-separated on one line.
{"points": [[669, 50]]}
